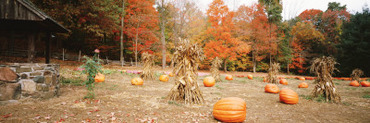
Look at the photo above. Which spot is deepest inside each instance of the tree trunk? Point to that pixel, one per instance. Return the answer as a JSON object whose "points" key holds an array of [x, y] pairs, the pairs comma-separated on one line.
{"points": [[225, 69], [121, 41], [136, 39], [254, 61], [163, 37]]}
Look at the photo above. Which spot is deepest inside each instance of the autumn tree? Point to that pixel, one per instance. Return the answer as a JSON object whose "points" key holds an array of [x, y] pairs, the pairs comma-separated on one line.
{"points": [[251, 27], [222, 44], [141, 25], [91, 21], [273, 8], [306, 39]]}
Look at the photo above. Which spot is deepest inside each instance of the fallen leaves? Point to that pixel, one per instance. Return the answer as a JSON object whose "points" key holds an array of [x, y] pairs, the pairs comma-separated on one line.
{"points": [[7, 115]]}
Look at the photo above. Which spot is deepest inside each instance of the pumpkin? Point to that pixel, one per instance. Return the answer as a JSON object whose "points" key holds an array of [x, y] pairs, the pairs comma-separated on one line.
{"points": [[271, 88], [354, 83], [250, 76], [288, 96], [283, 81], [301, 78], [137, 81], [163, 78], [170, 74], [303, 85], [230, 109], [365, 84], [229, 77], [209, 81], [99, 77]]}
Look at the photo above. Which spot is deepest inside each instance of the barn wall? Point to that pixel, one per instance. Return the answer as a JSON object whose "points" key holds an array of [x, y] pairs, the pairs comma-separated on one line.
{"points": [[13, 10]]}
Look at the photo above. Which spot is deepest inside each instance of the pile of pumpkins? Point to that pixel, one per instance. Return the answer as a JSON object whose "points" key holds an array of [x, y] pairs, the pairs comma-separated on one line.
{"points": [[356, 84]]}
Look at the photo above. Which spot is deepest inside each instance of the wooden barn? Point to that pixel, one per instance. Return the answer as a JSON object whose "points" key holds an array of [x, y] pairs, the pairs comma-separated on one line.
{"points": [[25, 30]]}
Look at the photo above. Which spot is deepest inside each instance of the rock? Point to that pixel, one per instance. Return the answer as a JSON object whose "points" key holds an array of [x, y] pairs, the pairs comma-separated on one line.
{"points": [[10, 91], [39, 79], [48, 79], [35, 74], [22, 69], [28, 85], [6, 74], [24, 76]]}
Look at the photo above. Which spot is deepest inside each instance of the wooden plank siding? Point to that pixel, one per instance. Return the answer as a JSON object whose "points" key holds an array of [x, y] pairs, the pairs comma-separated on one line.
{"points": [[13, 10]]}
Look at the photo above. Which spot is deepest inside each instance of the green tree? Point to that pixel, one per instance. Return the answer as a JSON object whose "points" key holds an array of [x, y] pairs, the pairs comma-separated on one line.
{"points": [[354, 50]]}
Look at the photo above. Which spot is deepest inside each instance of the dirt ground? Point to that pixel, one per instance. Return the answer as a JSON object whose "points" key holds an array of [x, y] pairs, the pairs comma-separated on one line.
{"points": [[119, 101]]}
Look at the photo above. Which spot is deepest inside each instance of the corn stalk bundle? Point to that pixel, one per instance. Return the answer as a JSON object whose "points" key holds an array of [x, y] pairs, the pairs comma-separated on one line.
{"points": [[272, 74], [356, 74], [324, 67], [148, 64], [216, 64], [186, 59]]}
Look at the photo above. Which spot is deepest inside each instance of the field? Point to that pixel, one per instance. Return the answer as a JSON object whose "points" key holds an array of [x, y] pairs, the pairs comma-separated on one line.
{"points": [[119, 101]]}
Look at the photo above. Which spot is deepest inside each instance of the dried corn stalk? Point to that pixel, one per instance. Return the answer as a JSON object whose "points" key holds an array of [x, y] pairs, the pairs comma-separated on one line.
{"points": [[324, 67], [356, 74], [186, 60], [216, 64], [272, 73], [148, 64]]}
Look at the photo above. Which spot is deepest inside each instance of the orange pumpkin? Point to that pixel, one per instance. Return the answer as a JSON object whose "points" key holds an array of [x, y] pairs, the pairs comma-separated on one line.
{"points": [[288, 96], [283, 81], [170, 74], [137, 81], [301, 78], [99, 77], [230, 109], [229, 77], [209, 81], [163, 78], [271, 88], [250, 76], [365, 84], [354, 83], [303, 85]]}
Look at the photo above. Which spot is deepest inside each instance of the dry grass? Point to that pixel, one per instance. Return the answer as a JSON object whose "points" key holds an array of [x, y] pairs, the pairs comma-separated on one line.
{"points": [[356, 74], [216, 64], [272, 73], [324, 67], [186, 61], [148, 65], [119, 101]]}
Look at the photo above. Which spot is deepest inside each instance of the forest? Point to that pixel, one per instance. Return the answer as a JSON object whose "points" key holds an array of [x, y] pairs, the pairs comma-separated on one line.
{"points": [[247, 39]]}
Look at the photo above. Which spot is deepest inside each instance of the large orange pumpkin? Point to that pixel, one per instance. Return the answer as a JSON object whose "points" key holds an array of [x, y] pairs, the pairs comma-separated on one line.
{"points": [[99, 77], [209, 81], [229, 77], [288, 96], [137, 81], [283, 81], [271, 88], [303, 85], [250, 76], [163, 78], [230, 109], [365, 84], [301, 78], [354, 83]]}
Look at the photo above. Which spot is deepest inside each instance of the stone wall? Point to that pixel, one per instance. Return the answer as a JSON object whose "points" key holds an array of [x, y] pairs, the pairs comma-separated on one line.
{"points": [[35, 80]]}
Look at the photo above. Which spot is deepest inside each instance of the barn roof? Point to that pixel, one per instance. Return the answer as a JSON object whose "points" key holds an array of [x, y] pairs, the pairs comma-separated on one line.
{"points": [[24, 15]]}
